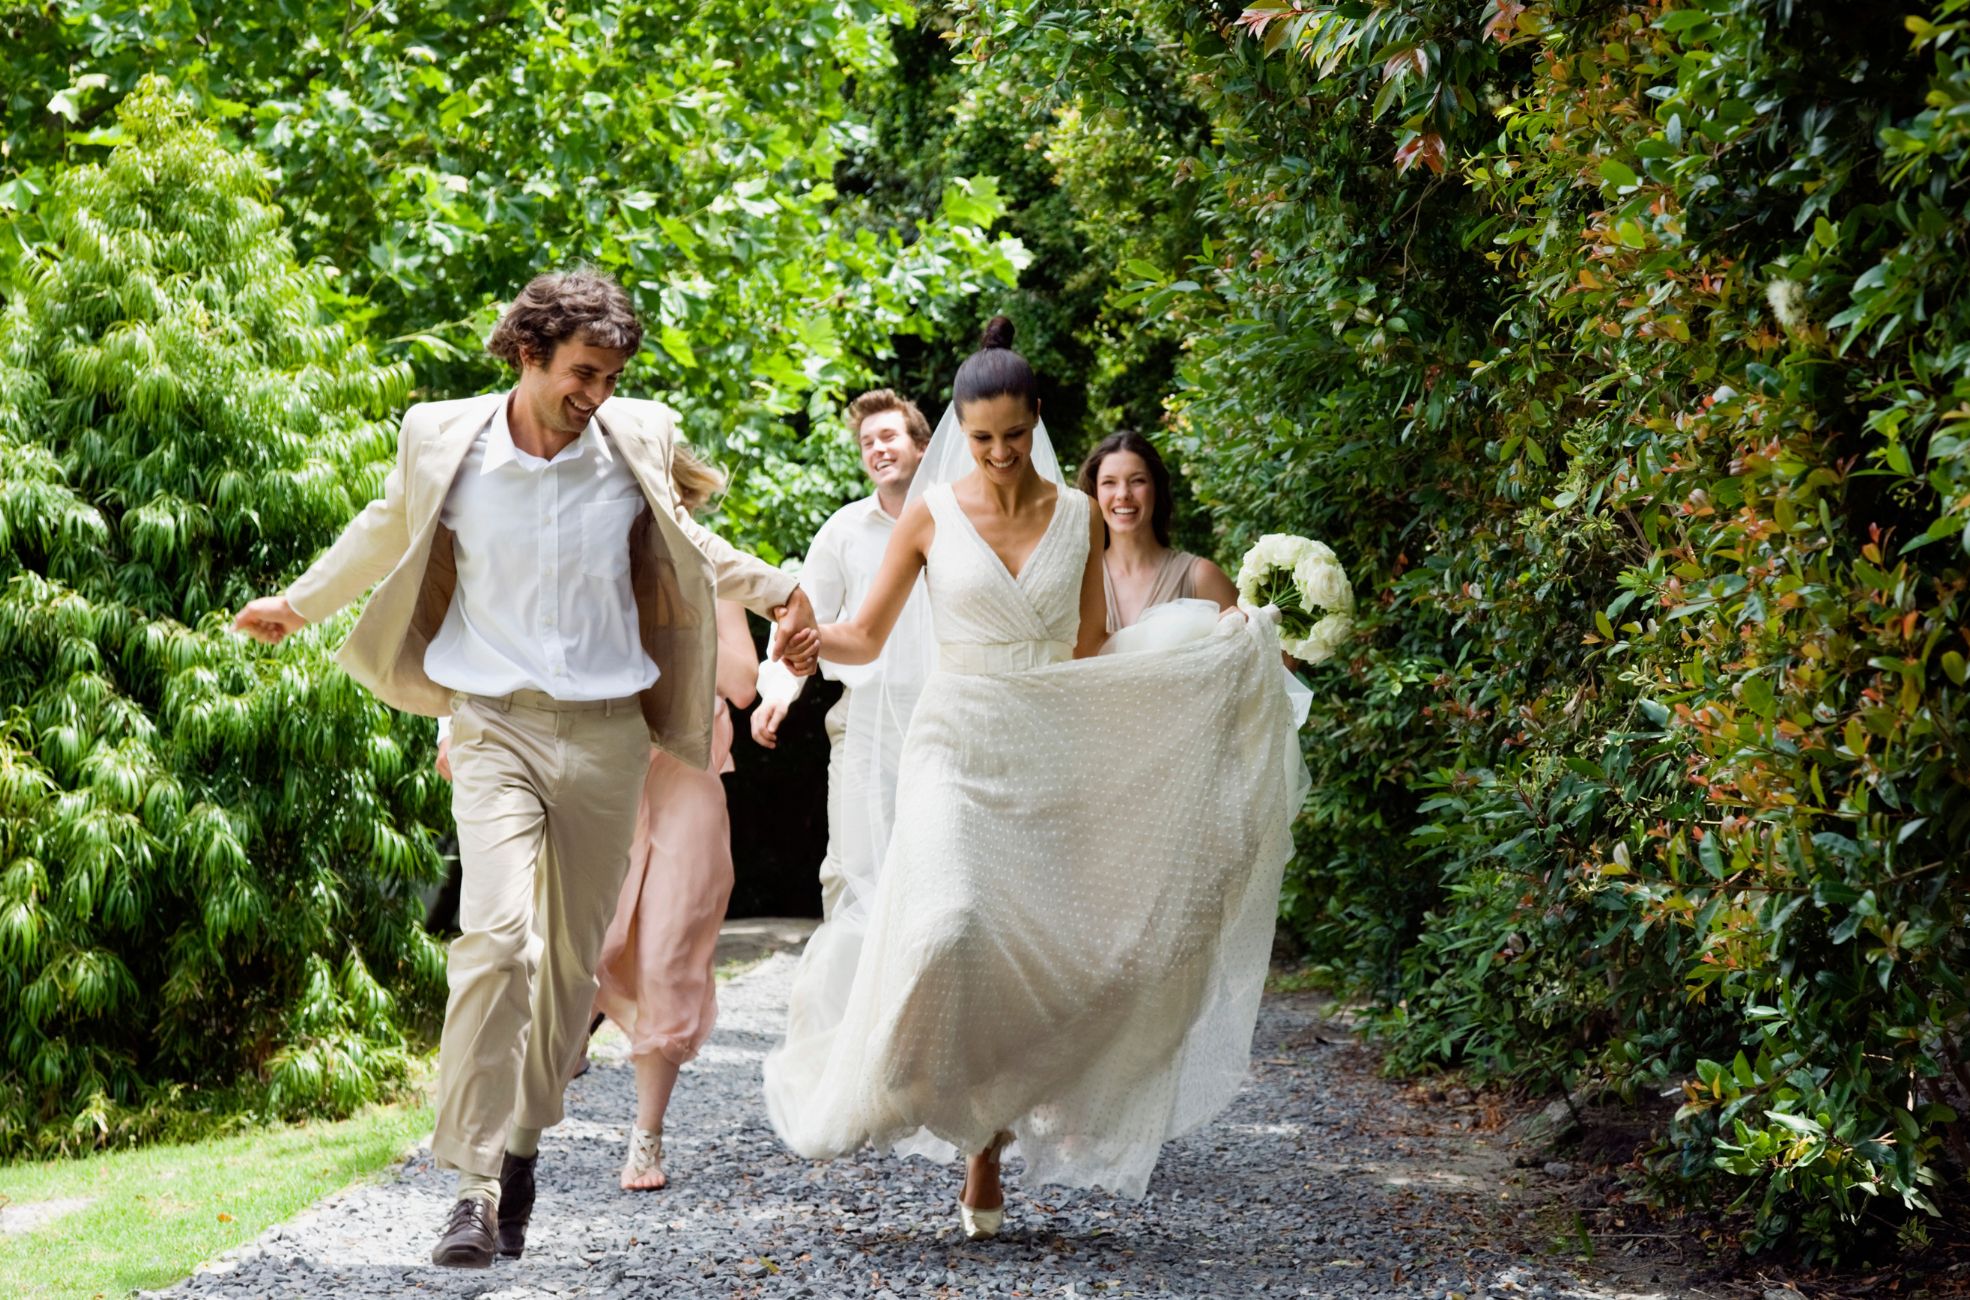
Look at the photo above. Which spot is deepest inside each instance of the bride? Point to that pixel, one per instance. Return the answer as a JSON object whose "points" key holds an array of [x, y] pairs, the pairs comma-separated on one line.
{"points": [[1068, 938]]}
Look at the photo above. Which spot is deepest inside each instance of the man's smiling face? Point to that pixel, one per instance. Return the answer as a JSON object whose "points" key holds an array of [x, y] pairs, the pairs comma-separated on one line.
{"points": [[889, 456]]}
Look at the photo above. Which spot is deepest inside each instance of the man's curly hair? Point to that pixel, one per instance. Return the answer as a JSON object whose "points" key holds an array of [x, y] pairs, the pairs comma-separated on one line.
{"points": [[562, 305]]}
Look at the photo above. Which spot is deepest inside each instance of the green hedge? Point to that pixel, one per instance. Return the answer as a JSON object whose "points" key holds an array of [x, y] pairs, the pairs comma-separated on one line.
{"points": [[1620, 348], [208, 854]]}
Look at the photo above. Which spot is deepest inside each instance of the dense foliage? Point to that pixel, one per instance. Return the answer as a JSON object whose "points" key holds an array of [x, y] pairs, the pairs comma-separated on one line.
{"points": [[205, 851], [1620, 349]]}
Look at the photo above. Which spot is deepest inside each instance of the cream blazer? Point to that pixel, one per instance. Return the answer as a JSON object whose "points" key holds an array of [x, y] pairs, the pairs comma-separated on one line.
{"points": [[398, 546]]}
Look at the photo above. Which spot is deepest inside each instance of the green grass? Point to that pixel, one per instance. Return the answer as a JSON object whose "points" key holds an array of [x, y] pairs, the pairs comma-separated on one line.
{"points": [[731, 970], [155, 1213], [1302, 979]]}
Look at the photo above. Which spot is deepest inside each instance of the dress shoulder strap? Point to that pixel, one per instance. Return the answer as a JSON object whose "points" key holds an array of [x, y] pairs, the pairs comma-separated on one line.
{"points": [[940, 500], [1182, 567], [1108, 598], [1076, 503]]}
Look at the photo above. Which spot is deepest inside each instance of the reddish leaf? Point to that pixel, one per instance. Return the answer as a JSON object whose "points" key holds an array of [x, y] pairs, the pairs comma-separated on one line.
{"points": [[1404, 61], [1256, 20], [1502, 25], [1426, 148]]}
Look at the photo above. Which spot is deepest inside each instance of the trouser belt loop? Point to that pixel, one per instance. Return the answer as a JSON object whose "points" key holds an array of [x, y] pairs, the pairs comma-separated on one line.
{"points": [[505, 703]]}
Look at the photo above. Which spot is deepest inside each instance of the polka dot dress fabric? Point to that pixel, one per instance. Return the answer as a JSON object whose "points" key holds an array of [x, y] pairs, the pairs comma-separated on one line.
{"points": [[1071, 929]]}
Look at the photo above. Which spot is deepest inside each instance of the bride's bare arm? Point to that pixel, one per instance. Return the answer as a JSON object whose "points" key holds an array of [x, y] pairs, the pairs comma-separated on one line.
{"points": [[859, 639], [1094, 600]]}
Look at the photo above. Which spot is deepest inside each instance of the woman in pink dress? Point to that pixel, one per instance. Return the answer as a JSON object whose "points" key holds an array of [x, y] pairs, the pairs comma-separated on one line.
{"points": [[655, 973]]}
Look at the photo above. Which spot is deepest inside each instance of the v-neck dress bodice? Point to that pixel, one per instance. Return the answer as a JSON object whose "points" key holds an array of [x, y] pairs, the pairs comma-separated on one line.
{"points": [[986, 619]]}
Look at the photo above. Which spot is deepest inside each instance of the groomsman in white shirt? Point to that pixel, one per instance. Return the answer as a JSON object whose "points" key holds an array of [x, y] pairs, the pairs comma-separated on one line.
{"points": [[891, 434], [536, 580]]}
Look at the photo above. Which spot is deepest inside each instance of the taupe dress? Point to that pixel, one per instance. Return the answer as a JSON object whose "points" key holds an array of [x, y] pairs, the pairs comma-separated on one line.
{"points": [[1172, 582]]}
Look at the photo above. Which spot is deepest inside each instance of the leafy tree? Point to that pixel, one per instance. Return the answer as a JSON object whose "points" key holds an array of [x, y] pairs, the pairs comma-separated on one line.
{"points": [[441, 153], [208, 853]]}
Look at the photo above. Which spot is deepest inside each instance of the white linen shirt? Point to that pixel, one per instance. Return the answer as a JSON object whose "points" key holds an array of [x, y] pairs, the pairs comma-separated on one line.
{"points": [[840, 568], [543, 600]]}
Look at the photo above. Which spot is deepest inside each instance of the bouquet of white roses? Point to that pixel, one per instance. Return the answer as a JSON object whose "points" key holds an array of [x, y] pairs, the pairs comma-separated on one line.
{"points": [[1302, 581]]}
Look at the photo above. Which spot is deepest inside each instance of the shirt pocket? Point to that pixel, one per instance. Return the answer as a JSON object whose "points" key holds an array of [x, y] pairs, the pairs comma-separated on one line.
{"points": [[605, 529]]}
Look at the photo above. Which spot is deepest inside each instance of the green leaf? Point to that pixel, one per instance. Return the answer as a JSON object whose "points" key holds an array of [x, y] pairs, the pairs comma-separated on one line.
{"points": [[973, 201], [1618, 174], [677, 344], [1799, 1124]]}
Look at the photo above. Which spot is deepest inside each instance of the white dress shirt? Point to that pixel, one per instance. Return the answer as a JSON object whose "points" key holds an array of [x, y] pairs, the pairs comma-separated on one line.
{"points": [[543, 599], [840, 568]]}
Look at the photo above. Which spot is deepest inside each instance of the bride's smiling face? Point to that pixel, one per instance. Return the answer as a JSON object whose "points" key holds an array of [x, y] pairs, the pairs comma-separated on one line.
{"points": [[999, 431]]}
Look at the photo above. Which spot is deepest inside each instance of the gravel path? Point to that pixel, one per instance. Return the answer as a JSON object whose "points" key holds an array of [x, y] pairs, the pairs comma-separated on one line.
{"points": [[1321, 1180]]}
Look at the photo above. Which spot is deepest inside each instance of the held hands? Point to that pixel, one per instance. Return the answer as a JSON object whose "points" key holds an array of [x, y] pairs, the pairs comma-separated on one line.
{"points": [[798, 645], [766, 720], [269, 619]]}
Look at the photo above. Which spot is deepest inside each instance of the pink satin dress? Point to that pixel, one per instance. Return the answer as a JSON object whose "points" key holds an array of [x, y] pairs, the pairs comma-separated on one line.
{"points": [[655, 973]]}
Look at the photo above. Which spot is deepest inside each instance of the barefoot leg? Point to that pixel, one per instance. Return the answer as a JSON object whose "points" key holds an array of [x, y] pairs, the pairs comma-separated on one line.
{"points": [[656, 1077]]}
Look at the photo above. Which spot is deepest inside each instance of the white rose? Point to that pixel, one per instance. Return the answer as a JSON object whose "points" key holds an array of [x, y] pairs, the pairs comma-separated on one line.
{"points": [[1322, 583], [1271, 552], [1325, 638]]}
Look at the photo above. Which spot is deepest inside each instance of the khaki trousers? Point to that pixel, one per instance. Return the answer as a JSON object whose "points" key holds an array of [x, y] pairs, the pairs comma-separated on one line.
{"points": [[545, 795]]}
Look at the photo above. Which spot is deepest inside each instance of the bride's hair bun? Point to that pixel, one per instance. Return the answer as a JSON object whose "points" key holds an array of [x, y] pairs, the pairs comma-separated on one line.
{"points": [[995, 370]]}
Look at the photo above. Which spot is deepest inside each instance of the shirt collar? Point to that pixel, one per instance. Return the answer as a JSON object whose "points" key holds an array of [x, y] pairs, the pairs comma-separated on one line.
{"points": [[501, 452], [872, 507]]}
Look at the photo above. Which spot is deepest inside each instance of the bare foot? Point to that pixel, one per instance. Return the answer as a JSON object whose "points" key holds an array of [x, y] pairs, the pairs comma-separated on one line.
{"points": [[643, 1169]]}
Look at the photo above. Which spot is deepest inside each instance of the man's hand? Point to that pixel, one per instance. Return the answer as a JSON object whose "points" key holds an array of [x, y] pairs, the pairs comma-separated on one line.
{"points": [[444, 758], [271, 619], [799, 644], [766, 720]]}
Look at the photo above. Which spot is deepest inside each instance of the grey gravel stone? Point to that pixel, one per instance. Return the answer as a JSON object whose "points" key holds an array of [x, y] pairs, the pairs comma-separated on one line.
{"points": [[1321, 1180]]}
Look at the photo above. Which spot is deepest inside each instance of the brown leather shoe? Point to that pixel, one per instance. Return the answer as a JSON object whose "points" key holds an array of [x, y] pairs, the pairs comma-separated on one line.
{"points": [[516, 1202], [467, 1241]]}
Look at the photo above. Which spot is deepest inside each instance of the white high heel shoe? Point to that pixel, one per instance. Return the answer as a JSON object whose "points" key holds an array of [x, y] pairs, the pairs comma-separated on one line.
{"points": [[982, 1225]]}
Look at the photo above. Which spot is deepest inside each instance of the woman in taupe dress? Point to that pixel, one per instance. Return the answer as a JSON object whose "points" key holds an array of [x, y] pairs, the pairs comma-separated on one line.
{"points": [[1129, 483]]}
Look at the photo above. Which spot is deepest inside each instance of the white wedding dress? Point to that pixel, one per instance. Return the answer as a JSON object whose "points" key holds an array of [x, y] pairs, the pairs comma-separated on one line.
{"points": [[1072, 925]]}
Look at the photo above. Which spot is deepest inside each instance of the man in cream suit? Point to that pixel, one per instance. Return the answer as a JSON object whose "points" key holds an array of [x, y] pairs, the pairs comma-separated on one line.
{"points": [[536, 581]]}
